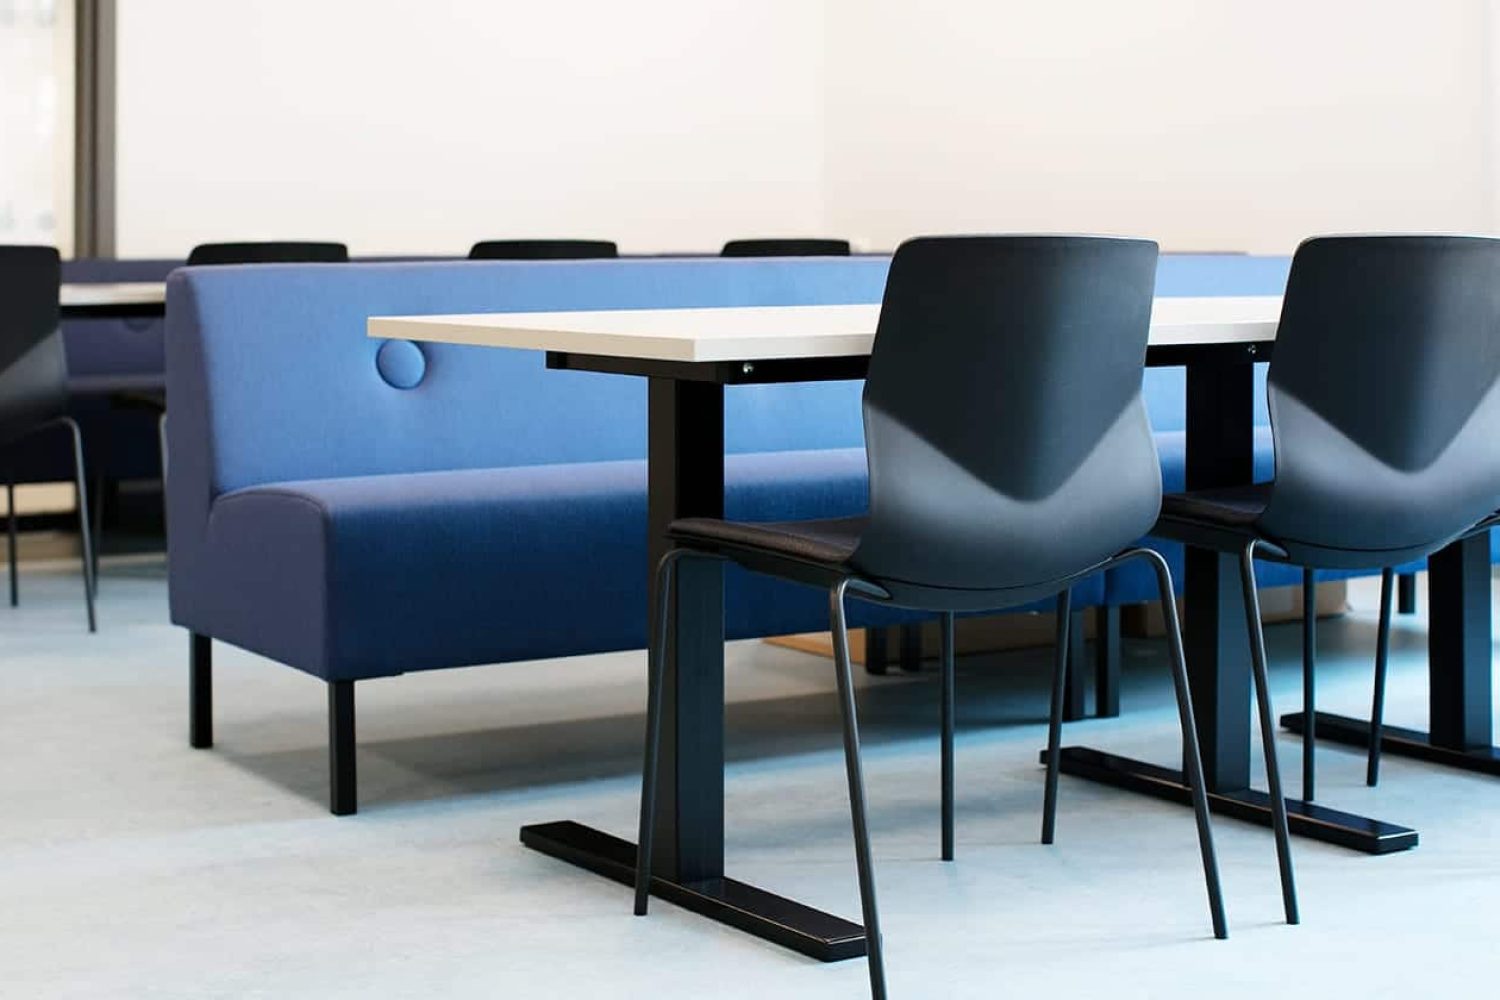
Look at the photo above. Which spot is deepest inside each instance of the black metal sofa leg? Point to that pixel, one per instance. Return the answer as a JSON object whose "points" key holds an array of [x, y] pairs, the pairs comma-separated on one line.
{"points": [[1406, 596], [343, 798], [1107, 662], [200, 691]]}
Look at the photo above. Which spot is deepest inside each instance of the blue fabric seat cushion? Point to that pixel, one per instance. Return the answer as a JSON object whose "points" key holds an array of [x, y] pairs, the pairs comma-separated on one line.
{"points": [[376, 575]]}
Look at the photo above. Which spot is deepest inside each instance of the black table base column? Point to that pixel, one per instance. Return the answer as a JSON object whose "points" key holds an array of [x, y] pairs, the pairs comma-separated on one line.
{"points": [[786, 922], [686, 479]]}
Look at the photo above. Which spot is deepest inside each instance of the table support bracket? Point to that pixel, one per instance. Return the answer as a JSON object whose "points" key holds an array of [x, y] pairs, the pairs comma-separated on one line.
{"points": [[786, 922], [1306, 819], [1396, 740]]}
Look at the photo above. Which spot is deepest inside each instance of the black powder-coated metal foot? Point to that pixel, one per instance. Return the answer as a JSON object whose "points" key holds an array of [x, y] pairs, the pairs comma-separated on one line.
{"points": [[1306, 819], [343, 797], [786, 922], [1406, 594], [1396, 740], [200, 692]]}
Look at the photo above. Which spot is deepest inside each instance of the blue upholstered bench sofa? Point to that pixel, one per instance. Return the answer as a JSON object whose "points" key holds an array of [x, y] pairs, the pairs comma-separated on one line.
{"points": [[331, 520]]}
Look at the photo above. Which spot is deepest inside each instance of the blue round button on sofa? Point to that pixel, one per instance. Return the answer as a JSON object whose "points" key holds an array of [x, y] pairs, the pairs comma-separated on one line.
{"points": [[401, 364]]}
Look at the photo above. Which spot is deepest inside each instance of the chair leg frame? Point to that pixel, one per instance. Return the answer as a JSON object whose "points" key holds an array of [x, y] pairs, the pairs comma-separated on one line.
{"points": [[1055, 716], [10, 537], [85, 527], [1193, 758], [1268, 730], [1309, 682], [1382, 655], [948, 712]]}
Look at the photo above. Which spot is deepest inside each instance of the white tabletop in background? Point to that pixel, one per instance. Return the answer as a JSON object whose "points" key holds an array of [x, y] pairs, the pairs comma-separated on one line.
{"points": [[124, 293], [763, 333]]}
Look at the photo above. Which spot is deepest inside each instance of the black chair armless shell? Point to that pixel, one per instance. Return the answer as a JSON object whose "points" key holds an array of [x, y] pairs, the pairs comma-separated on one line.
{"points": [[1009, 456], [268, 252], [1384, 391], [785, 248], [34, 384], [543, 250]]}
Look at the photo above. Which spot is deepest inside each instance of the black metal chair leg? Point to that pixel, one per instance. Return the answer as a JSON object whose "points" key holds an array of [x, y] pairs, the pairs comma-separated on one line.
{"points": [[1268, 731], [343, 795], [1309, 682], [656, 674], [852, 766], [84, 529], [1055, 718], [200, 691], [1382, 654], [100, 486], [1192, 755], [10, 535], [946, 655]]}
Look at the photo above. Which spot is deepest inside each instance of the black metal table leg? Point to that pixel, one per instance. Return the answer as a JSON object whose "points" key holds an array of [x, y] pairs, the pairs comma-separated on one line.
{"points": [[686, 479], [1459, 671], [1221, 452]]}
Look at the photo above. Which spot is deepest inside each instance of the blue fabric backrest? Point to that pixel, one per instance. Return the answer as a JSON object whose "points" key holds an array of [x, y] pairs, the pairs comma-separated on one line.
{"points": [[1203, 275], [271, 365]]}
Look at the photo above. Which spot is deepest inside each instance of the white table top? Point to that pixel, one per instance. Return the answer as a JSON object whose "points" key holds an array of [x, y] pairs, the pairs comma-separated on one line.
{"points": [[124, 293], [764, 333]]}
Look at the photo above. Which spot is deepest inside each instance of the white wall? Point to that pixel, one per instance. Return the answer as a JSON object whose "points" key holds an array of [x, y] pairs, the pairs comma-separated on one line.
{"points": [[1210, 125], [402, 126], [672, 124]]}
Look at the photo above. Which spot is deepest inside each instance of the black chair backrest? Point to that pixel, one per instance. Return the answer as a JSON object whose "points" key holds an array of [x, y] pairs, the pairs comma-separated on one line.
{"points": [[543, 250], [33, 365], [1384, 390], [785, 248], [276, 252], [1007, 439]]}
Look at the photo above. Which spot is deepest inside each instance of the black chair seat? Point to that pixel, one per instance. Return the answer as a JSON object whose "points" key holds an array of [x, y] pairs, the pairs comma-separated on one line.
{"points": [[826, 543], [1235, 507]]}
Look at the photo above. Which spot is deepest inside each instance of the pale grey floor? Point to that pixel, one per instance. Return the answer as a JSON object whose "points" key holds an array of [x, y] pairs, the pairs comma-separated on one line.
{"points": [[132, 866]]}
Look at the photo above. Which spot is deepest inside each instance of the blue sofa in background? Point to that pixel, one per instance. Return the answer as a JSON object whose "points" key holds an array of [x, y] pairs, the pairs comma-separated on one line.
{"points": [[357, 510], [325, 516]]}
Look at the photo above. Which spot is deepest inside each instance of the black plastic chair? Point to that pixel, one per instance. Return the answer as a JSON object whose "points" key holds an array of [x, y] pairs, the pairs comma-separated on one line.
{"points": [[1009, 456], [268, 252], [1384, 391], [785, 248], [34, 384], [543, 250]]}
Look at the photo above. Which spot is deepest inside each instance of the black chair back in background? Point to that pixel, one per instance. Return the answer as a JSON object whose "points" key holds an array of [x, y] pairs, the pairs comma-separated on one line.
{"points": [[268, 252], [34, 382], [543, 250], [785, 248]]}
